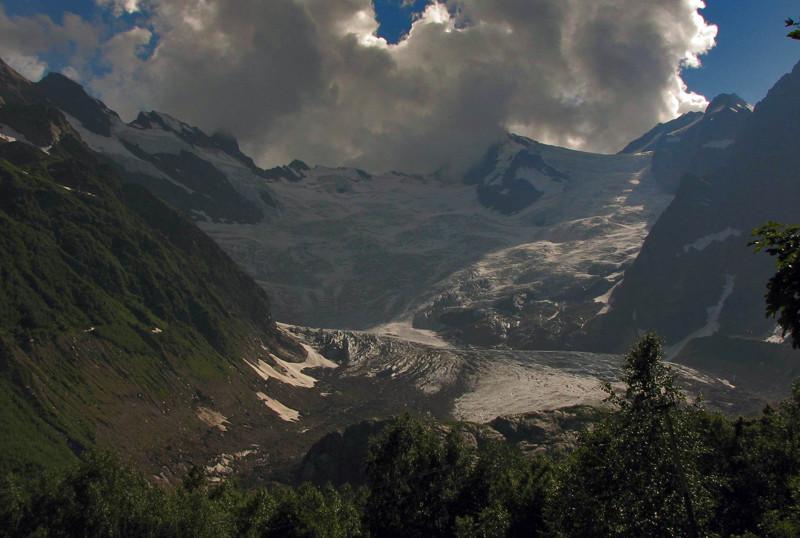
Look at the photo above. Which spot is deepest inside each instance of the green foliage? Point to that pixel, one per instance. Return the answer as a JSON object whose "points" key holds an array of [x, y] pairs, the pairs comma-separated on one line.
{"points": [[762, 462], [104, 496], [424, 485], [414, 479], [650, 384], [80, 249], [794, 34], [312, 511], [504, 494], [743, 477], [783, 289], [630, 476], [28, 442], [104, 290], [101, 497]]}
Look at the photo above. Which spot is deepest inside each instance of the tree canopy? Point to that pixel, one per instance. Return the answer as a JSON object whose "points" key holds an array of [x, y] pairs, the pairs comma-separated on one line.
{"points": [[794, 34], [783, 289]]}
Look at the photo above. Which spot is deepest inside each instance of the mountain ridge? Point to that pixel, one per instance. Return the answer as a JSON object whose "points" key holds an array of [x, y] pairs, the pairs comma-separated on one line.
{"points": [[122, 324], [528, 202], [707, 276]]}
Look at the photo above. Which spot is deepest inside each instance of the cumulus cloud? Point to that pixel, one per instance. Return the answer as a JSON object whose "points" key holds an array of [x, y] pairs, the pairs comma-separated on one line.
{"points": [[119, 7], [237, 65], [26, 42], [309, 79]]}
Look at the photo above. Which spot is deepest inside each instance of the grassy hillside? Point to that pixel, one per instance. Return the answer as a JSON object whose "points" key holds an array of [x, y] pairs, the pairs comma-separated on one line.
{"points": [[119, 318]]}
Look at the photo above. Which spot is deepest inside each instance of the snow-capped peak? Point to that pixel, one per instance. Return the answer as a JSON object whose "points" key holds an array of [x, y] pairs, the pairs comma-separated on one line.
{"points": [[727, 101]]}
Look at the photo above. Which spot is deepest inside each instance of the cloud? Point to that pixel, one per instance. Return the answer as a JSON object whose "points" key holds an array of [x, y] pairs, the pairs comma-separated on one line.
{"points": [[27, 65], [27, 42], [237, 65], [309, 79], [119, 7]]}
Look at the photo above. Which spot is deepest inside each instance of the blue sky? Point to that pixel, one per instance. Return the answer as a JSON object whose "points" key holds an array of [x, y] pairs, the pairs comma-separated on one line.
{"points": [[752, 50], [308, 79]]}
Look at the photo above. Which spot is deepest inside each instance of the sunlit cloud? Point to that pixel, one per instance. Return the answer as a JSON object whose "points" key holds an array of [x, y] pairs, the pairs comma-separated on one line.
{"points": [[311, 79]]}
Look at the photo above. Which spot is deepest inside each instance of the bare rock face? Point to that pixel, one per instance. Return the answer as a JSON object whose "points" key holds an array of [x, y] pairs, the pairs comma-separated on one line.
{"points": [[695, 142], [16, 89]]}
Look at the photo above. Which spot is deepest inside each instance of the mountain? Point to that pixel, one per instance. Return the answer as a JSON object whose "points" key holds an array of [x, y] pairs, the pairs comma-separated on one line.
{"points": [[523, 253], [128, 327], [695, 280], [122, 324], [695, 142], [338, 247], [178, 163]]}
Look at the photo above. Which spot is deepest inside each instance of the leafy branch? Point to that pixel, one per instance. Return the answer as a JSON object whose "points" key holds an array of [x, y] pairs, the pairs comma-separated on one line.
{"points": [[794, 34], [783, 289]]}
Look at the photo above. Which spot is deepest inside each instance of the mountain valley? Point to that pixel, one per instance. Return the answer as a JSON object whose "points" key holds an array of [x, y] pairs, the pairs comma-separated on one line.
{"points": [[511, 290]]}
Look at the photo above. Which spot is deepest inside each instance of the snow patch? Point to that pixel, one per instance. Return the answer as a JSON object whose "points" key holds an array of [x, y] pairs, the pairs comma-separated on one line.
{"points": [[282, 373], [705, 241], [223, 464], [727, 383], [605, 299], [777, 336], [712, 323], [521, 391], [291, 373], [212, 418], [719, 144], [10, 135], [406, 331], [286, 413], [516, 382], [315, 360]]}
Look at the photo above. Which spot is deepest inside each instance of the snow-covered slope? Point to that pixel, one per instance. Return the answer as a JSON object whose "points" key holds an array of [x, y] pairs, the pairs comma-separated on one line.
{"points": [[542, 229], [569, 248], [345, 249], [205, 176], [524, 252]]}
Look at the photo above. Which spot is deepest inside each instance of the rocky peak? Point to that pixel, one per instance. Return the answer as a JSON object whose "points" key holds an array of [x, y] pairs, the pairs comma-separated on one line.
{"points": [[727, 101], [226, 142], [299, 166], [161, 120], [70, 97], [773, 129], [14, 88], [195, 137], [26, 111]]}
